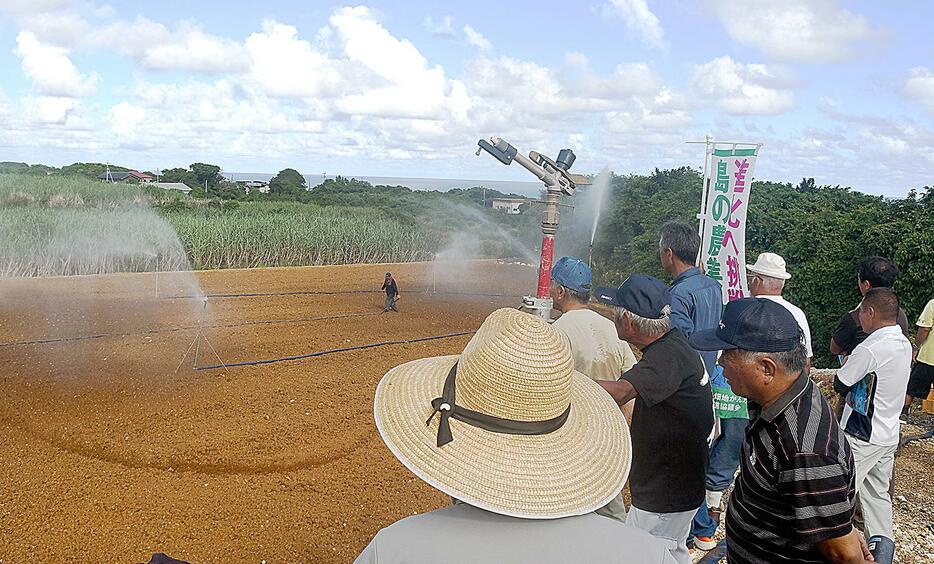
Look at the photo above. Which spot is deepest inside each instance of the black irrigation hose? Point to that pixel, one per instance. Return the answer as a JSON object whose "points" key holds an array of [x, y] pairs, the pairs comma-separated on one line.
{"points": [[176, 329], [330, 293], [332, 351], [925, 435]]}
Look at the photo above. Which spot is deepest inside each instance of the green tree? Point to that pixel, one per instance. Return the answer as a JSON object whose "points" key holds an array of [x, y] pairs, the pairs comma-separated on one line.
{"points": [[91, 170], [207, 175], [288, 184]]}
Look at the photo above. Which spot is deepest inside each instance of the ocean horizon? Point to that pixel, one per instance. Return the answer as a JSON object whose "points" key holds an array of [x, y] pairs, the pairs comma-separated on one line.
{"points": [[525, 188]]}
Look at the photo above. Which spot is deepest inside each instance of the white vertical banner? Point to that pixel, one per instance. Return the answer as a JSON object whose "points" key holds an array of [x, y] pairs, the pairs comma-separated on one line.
{"points": [[723, 244]]}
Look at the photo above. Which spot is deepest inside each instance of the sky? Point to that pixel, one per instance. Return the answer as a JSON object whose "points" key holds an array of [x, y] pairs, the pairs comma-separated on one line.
{"points": [[839, 91]]}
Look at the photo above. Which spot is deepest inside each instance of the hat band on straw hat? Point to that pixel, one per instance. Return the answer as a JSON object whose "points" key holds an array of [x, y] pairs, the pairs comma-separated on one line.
{"points": [[446, 406]]}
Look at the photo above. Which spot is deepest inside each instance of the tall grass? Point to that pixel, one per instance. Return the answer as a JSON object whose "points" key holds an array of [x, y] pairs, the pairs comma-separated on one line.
{"points": [[18, 191], [264, 234], [68, 225]]}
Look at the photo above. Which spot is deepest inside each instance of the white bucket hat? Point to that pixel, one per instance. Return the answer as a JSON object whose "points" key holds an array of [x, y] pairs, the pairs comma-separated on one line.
{"points": [[508, 425], [771, 265]]}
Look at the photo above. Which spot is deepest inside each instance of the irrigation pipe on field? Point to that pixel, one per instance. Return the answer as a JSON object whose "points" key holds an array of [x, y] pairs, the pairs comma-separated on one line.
{"points": [[184, 328], [332, 351], [331, 293]]}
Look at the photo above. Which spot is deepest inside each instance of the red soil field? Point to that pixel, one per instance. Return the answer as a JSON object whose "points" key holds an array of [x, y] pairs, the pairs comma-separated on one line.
{"points": [[108, 454]]}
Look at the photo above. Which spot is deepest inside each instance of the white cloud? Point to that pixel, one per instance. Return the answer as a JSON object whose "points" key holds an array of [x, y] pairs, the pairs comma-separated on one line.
{"points": [[65, 28], [920, 86], [743, 88], [125, 118], [51, 71], [410, 88], [639, 19], [444, 28], [154, 47], [476, 39], [286, 66], [806, 31], [50, 109]]}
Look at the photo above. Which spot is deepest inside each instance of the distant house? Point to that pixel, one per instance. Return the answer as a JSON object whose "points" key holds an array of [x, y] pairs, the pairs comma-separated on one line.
{"points": [[171, 186], [257, 185], [141, 176], [129, 176], [509, 206]]}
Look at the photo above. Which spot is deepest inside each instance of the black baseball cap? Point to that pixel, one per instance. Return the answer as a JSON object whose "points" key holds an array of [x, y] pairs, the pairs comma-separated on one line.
{"points": [[751, 324], [645, 296]]}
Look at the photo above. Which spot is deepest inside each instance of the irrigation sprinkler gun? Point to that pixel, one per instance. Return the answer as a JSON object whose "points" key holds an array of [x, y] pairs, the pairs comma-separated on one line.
{"points": [[554, 174]]}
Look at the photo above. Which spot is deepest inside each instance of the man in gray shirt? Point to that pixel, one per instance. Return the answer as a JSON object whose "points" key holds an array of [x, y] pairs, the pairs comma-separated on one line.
{"points": [[529, 446]]}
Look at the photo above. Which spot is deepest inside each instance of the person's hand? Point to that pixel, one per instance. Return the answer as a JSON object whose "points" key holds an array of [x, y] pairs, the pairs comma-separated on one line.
{"points": [[864, 546]]}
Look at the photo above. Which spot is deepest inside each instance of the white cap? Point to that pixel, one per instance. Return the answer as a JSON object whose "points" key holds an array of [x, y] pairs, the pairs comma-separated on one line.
{"points": [[771, 265]]}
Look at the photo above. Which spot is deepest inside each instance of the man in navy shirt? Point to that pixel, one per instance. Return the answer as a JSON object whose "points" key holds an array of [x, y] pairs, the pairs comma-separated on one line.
{"points": [[696, 304]]}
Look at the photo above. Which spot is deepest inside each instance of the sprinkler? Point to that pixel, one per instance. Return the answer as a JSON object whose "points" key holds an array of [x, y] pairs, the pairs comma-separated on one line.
{"points": [[554, 174]]}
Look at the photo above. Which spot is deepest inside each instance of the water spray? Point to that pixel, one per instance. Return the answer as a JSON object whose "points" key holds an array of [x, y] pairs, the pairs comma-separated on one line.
{"points": [[554, 174]]}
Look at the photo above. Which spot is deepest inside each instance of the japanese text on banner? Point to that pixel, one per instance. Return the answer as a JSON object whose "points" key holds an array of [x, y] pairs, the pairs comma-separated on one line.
{"points": [[723, 246]]}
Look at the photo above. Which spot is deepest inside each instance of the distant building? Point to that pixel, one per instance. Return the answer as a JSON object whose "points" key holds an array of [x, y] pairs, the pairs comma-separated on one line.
{"points": [[510, 206], [257, 185], [129, 176], [171, 186]]}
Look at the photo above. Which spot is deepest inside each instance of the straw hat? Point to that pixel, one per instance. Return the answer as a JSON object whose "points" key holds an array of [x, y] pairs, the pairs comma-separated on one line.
{"points": [[517, 376]]}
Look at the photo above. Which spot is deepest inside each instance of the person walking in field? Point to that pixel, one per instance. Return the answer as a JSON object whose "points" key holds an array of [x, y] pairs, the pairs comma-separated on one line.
{"points": [[392, 293], [526, 446]]}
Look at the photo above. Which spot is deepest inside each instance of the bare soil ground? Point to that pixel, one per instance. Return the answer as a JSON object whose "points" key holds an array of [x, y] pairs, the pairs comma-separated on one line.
{"points": [[108, 455]]}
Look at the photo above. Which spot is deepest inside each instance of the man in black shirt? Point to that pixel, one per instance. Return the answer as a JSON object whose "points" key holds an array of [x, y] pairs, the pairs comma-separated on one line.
{"points": [[874, 272], [392, 293], [672, 417]]}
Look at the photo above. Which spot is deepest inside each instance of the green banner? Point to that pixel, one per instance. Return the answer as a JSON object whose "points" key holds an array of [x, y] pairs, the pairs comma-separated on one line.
{"points": [[728, 405], [734, 153]]}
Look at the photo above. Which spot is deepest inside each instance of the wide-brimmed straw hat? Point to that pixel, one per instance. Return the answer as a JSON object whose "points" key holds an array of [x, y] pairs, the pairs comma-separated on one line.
{"points": [[508, 425]]}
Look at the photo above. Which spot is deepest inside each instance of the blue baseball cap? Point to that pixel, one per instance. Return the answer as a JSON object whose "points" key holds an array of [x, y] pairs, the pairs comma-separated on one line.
{"points": [[645, 296], [573, 274], [751, 324]]}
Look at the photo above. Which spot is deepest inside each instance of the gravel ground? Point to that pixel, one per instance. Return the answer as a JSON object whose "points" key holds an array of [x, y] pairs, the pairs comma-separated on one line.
{"points": [[914, 487]]}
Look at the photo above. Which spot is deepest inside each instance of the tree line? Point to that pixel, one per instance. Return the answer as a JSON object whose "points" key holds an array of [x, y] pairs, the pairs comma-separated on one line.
{"points": [[821, 231]]}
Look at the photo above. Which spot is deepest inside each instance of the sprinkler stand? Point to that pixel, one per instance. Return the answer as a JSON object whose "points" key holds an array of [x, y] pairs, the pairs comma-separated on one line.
{"points": [[554, 174]]}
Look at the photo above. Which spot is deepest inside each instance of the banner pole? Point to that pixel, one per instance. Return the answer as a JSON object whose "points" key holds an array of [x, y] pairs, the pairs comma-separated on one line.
{"points": [[705, 188]]}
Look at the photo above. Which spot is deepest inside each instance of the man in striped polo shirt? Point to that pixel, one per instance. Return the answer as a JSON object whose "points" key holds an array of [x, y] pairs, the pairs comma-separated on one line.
{"points": [[794, 498]]}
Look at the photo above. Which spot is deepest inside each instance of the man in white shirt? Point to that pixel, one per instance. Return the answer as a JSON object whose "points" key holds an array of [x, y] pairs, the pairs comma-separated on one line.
{"points": [[767, 280], [598, 351], [875, 377]]}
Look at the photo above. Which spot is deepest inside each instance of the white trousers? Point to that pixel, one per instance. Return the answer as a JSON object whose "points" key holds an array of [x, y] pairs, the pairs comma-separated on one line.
{"points": [[670, 528], [873, 473]]}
